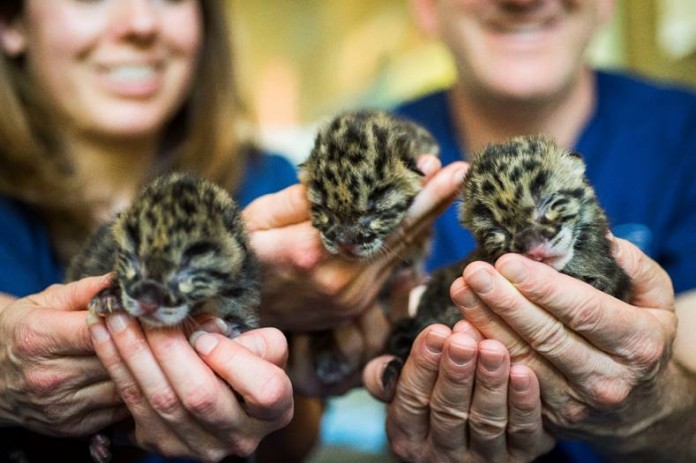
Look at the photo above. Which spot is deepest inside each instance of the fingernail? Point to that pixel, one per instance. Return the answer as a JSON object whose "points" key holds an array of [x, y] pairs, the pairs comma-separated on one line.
{"points": [[491, 360], [117, 322], [520, 383], [215, 325], [203, 342], [427, 164], [481, 282], [467, 299], [460, 354], [514, 270], [96, 329], [434, 341], [615, 247], [460, 174]]}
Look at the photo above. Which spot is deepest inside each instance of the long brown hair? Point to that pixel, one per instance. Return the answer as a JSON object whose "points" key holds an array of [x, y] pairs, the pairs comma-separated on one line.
{"points": [[202, 138]]}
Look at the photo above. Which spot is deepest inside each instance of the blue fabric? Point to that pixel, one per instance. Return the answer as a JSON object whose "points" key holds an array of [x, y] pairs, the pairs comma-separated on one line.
{"points": [[640, 150], [28, 264]]}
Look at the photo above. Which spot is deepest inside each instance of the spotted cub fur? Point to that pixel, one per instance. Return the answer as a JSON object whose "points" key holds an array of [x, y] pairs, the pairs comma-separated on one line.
{"points": [[361, 177], [180, 250], [527, 196]]}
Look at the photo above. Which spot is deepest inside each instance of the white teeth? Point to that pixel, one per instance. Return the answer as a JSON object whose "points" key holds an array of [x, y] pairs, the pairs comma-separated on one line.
{"points": [[131, 72], [522, 28]]}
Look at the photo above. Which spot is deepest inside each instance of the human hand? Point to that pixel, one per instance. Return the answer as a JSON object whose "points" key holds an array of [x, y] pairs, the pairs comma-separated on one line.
{"points": [[458, 399], [204, 399], [51, 381], [358, 341], [328, 291], [602, 363]]}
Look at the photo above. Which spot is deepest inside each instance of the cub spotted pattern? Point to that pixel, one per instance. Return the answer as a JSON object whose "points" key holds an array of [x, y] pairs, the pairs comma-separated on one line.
{"points": [[179, 250], [361, 177], [526, 196]]}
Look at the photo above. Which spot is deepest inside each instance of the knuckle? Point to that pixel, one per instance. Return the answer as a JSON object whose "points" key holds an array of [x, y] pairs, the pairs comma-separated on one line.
{"points": [[201, 401], [26, 343], [246, 447], [551, 339], [486, 427], [276, 392], [131, 394], [647, 355], [404, 449], [43, 383], [609, 394], [571, 414], [165, 402], [585, 318]]}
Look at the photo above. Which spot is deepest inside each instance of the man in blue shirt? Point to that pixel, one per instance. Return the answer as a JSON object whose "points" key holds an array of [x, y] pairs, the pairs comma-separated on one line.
{"points": [[604, 368]]}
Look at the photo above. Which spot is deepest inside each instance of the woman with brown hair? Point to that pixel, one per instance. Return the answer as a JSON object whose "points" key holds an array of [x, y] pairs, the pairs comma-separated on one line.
{"points": [[98, 98]]}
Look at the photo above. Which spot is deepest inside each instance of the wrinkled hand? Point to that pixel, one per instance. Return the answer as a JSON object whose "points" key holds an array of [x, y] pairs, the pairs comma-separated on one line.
{"points": [[458, 399], [50, 379], [602, 363], [204, 399], [307, 289]]}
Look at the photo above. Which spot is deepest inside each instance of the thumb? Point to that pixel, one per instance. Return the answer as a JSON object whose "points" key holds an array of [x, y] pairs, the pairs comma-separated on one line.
{"points": [[72, 296]]}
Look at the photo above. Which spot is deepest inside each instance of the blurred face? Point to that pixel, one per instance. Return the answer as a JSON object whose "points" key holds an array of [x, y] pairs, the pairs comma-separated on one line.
{"points": [[112, 67], [522, 49]]}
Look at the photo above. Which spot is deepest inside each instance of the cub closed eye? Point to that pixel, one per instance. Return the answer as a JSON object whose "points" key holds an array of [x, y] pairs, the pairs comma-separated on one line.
{"points": [[200, 248]]}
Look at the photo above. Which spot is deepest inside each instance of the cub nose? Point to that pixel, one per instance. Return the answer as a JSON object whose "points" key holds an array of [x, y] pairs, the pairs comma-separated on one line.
{"points": [[150, 296]]}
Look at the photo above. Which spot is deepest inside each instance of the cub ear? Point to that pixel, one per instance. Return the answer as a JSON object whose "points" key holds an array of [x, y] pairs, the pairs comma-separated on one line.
{"points": [[302, 174], [577, 162]]}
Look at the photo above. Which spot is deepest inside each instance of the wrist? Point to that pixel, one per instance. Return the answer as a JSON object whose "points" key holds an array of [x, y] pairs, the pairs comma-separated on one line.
{"points": [[659, 426]]}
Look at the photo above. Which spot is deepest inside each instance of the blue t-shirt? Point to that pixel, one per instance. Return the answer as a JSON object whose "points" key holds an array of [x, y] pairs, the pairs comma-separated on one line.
{"points": [[27, 261], [640, 150]]}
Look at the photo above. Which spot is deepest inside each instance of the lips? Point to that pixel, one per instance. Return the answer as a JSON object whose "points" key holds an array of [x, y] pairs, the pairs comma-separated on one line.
{"points": [[131, 80]]}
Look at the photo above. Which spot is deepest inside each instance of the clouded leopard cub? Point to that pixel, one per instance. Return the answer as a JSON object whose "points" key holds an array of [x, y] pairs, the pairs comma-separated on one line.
{"points": [[526, 196], [361, 177], [179, 250]]}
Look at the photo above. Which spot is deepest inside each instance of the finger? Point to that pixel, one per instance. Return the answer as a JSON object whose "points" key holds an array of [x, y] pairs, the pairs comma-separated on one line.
{"points": [[429, 165], [451, 399], [125, 382], [265, 387], [372, 378], [604, 321], [651, 285], [277, 210], [196, 388], [72, 296], [305, 252], [63, 332], [409, 413], [268, 343], [466, 328], [428, 204], [438, 193], [492, 326], [374, 327], [488, 417], [155, 407], [525, 429]]}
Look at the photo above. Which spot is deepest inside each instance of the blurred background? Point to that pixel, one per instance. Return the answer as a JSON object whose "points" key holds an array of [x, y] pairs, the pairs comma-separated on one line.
{"points": [[300, 61]]}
